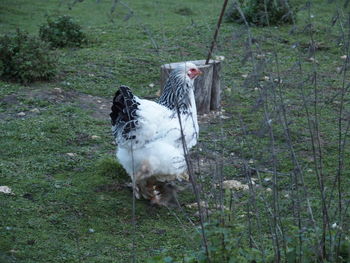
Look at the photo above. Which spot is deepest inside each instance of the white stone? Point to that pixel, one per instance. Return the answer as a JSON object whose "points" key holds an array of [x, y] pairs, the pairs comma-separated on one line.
{"points": [[5, 189], [35, 110], [234, 185], [59, 90], [220, 58]]}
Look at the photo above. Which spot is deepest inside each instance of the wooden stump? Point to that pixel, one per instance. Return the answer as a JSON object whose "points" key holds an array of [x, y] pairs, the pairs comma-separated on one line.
{"points": [[207, 86], [215, 99]]}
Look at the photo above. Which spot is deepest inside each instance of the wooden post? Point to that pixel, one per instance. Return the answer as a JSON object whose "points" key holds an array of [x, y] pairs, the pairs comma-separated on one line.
{"points": [[207, 86], [215, 99]]}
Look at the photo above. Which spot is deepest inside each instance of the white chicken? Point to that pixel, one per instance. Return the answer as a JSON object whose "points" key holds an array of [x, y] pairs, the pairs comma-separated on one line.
{"points": [[148, 133]]}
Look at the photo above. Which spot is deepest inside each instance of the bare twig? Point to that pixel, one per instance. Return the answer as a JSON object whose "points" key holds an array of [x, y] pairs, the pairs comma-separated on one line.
{"points": [[216, 31]]}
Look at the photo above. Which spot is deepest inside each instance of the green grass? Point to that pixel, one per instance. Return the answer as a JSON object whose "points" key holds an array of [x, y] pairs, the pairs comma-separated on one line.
{"points": [[59, 198]]}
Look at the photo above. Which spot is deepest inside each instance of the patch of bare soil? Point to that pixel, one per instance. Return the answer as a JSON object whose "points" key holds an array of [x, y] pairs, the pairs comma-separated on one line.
{"points": [[98, 107]]}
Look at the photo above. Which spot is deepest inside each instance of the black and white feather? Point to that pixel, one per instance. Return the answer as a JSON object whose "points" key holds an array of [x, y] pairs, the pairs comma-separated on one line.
{"points": [[148, 133]]}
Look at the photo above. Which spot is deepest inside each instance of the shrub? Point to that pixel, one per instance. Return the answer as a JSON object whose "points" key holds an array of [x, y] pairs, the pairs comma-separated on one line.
{"points": [[62, 31], [25, 58], [278, 12]]}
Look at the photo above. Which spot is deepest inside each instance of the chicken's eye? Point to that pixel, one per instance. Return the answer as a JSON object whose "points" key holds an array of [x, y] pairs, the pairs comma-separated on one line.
{"points": [[192, 70]]}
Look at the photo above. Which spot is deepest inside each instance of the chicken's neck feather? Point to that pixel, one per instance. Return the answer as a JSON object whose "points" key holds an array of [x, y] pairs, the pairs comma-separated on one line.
{"points": [[177, 93]]}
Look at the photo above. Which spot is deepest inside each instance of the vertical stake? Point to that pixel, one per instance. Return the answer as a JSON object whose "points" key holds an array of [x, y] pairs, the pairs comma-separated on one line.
{"points": [[216, 31]]}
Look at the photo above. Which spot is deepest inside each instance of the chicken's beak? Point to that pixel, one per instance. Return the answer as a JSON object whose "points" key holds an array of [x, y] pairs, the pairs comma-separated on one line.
{"points": [[199, 73]]}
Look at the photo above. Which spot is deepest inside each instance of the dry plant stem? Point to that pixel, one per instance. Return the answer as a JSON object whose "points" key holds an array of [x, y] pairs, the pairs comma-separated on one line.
{"points": [[133, 257], [114, 5], [275, 207], [313, 151], [250, 232], [296, 201], [183, 226], [219, 174], [184, 212], [144, 27], [194, 184], [299, 170], [341, 137], [133, 215], [284, 121], [267, 211], [216, 31], [316, 144], [290, 145], [190, 168], [273, 228], [192, 179]]}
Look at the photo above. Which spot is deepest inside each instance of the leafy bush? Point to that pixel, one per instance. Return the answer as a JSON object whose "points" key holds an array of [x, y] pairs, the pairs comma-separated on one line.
{"points": [[25, 58], [278, 12], [62, 31]]}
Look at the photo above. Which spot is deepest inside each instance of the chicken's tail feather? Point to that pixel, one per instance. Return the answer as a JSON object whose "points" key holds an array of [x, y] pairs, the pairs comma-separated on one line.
{"points": [[123, 115]]}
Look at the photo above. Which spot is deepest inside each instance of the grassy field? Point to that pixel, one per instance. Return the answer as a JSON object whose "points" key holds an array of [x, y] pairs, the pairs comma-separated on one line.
{"points": [[69, 202]]}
